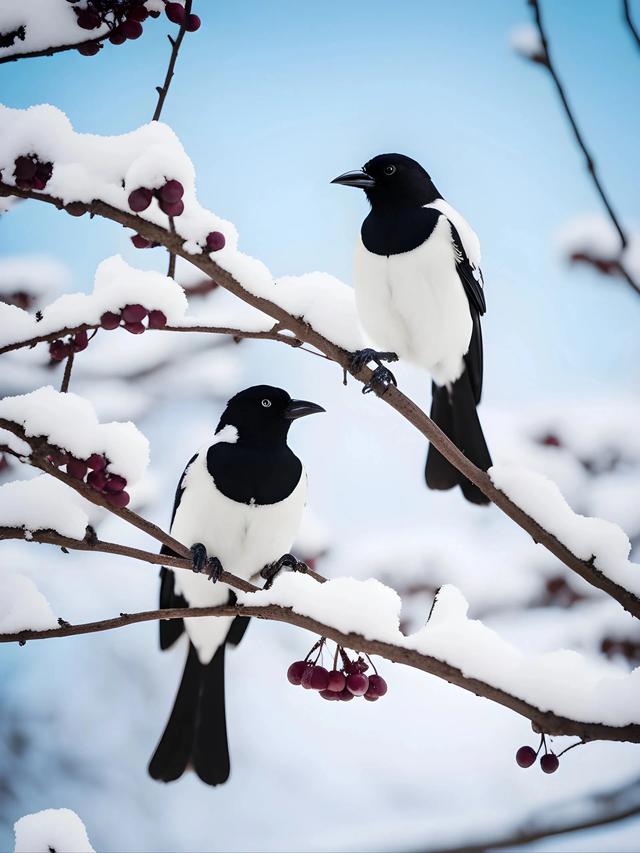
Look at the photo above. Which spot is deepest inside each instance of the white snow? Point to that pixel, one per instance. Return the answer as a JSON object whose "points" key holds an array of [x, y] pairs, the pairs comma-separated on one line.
{"points": [[23, 606], [561, 681], [116, 284], [87, 167], [33, 274], [70, 423], [525, 41], [47, 23], [585, 537], [43, 503], [52, 829]]}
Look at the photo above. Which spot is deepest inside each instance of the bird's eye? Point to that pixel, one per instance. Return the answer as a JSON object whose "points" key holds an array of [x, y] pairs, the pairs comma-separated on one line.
{"points": [[389, 170], [266, 403]]}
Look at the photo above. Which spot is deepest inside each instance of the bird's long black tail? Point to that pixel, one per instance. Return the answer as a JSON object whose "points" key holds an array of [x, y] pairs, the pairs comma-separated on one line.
{"points": [[196, 734], [454, 411]]}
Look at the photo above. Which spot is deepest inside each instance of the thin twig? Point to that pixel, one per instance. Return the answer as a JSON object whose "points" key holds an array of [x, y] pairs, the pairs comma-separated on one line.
{"points": [[175, 47], [50, 51], [67, 373], [591, 165], [626, 11], [391, 396], [171, 271]]}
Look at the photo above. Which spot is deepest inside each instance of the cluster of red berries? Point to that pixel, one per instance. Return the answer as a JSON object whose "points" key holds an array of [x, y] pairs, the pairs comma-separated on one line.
{"points": [[177, 15], [59, 349], [338, 684], [30, 173], [131, 318], [549, 761], [169, 198], [93, 472], [123, 17]]}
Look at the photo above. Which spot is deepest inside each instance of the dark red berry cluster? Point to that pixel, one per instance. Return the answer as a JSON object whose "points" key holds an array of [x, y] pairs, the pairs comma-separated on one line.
{"points": [[93, 472], [345, 681], [169, 198], [131, 318], [30, 173], [59, 349], [123, 17], [177, 15], [549, 762], [141, 242]]}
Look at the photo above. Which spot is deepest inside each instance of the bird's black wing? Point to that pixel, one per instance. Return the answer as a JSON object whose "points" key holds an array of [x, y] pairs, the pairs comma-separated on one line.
{"points": [[471, 278], [171, 629]]}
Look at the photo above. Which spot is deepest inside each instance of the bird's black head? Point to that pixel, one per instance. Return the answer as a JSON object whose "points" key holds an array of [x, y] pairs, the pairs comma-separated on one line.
{"points": [[392, 179], [263, 414]]}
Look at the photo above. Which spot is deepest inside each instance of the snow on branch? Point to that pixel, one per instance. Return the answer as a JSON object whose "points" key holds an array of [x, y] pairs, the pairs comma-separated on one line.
{"points": [[317, 309], [23, 606], [43, 504], [59, 830]]}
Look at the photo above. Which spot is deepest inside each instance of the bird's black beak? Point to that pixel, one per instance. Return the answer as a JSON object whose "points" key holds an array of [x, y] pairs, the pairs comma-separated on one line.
{"points": [[357, 178], [301, 408]]}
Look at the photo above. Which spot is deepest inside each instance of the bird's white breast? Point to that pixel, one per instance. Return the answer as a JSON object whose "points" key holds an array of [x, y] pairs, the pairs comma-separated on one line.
{"points": [[244, 537], [414, 304]]}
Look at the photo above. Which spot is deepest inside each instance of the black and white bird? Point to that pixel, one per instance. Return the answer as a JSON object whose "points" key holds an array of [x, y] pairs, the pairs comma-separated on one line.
{"points": [[419, 294], [238, 505]]}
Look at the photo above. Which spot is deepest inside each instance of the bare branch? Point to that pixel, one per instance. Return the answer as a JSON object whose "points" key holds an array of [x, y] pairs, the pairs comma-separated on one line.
{"points": [[390, 395], [175, 48], [67, 373], [590, 162], [50, 51], [626, 11]]}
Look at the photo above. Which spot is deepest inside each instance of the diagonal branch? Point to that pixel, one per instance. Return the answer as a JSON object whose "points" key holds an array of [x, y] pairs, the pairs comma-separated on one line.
{"points": [[50, 51], [591, 165], [175, 48], [391, 396], [626, 11], [546, 721]]}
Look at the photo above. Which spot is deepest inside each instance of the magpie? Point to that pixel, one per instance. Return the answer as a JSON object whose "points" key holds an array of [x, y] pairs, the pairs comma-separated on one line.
{"points": [[419, 294], [238, 505]]}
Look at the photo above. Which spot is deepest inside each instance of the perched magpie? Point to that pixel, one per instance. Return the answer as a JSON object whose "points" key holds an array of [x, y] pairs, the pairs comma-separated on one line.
{"points": [[238, 505], [419, 293]]}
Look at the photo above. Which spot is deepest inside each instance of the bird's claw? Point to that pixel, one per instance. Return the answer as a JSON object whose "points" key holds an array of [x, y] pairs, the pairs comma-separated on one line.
{"points": [[201, 561], [287, 561], [362, 357], [380, 381]]}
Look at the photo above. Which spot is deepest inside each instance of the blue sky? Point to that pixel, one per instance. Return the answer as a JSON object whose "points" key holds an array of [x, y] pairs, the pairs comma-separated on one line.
{"points": [[273, 100]]}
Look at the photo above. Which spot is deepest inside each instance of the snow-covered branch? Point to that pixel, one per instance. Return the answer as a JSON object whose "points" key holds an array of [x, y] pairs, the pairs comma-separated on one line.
{"points": [[319, 315]]}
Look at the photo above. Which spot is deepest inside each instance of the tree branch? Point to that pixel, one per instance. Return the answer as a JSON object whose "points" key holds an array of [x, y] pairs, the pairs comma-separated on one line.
{"points": [[175, 48], [590, 162], [67, 373], [626, 11], [391, 396], [50, 51]]}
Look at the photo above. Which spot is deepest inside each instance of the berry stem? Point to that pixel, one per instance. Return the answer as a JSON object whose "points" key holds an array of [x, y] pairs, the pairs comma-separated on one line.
{"points": [[540, 745], [67, 373], [175, 47], [371, 662], [573, 746]]}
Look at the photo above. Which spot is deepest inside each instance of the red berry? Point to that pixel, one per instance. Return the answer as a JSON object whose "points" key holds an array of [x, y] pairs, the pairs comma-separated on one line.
{"points": [[328, 694], [96, 462], [549, 763], [97, 479], [131, 29], [140, 199], [115, 483], [337, 681], [371, 697], [76, 468], [192, 23], [38, 183], [319, 678], [88, 20], [58, 350], [57, 458], [140, 242], [525, 756], [134, 328], [377, 685], [44, 171], [172, 208], [157, 320], [171, 192], [358, 684], [215, 241], [138, 13], [134, 313], [80, 341], [75, 208], [90, 48], [109, 320], [345, 696], [175, 12], [117, 36], [120, 499], [25, 168], [296, 671]]}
